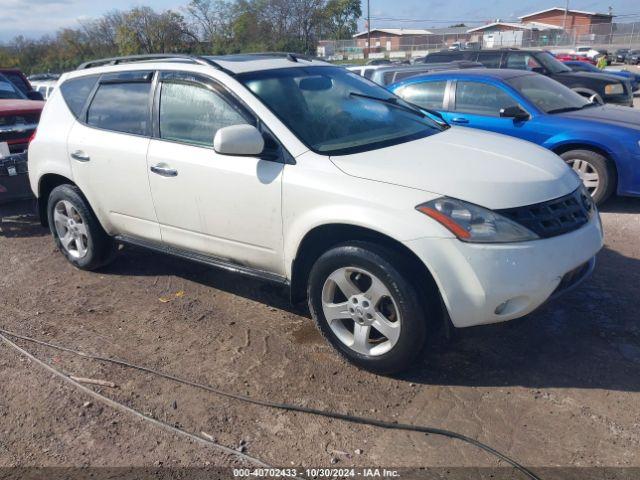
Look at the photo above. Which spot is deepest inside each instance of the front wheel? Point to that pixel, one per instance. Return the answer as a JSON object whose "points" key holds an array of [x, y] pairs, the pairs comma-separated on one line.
{"points": [[594, 170], [364, 304]]}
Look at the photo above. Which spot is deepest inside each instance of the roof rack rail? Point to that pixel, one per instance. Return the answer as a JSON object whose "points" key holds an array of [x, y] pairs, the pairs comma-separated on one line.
{"points": [[154, 56], [288, 55]]}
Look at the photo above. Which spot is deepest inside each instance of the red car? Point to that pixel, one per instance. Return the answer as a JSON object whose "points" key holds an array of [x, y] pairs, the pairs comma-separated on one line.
{"points": [[19, 116], [21, 82], [570, 57]]}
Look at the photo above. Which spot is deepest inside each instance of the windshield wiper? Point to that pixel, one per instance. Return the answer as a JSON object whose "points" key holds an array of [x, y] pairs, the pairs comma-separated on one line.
{"points": [[389, 101], [573, 109]]}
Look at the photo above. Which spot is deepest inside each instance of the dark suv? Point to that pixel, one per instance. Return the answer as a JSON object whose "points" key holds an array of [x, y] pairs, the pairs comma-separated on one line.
{"points": [[597, 86]]}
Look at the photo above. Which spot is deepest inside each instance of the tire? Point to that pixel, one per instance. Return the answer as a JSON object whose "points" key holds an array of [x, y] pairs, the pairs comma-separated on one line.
{"points": [[76, 230], [590, 165], [371, 269]]}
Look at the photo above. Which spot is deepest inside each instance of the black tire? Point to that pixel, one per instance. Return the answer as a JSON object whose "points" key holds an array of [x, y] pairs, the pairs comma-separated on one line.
{"points": [[100, 247], [601, 165], [390, 269]]}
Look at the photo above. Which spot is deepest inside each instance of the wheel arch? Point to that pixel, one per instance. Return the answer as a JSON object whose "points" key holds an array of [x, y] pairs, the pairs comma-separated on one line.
{"points": [[566, 147], [46, 184], [324, 237]]}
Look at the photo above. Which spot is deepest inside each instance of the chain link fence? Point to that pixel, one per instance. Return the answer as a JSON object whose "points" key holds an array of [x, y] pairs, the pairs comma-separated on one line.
{"points": [[610, 36]]}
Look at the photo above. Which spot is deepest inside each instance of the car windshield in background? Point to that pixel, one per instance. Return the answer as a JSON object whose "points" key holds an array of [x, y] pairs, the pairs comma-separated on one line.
{"points": [[552, 64], [547, 94], [334, 111], [8, 91]]}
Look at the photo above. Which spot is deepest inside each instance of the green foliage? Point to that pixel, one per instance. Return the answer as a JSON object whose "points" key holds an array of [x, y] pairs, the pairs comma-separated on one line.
{"points": [[202, 26]]}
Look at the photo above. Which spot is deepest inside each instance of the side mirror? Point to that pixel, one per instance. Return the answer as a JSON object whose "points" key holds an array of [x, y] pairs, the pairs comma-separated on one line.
{"points": [[34, 95], [515, 111], [238, 140]]}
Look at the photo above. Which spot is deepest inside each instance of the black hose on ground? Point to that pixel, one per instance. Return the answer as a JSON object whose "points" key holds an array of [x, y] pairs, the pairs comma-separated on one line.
{"points": [[289, 407]]}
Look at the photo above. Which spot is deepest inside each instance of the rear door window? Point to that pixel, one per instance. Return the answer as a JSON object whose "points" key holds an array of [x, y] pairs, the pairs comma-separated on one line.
{"points": [[481, 99], [76, 91], [490, 59], [121, 107], [425, 94]]}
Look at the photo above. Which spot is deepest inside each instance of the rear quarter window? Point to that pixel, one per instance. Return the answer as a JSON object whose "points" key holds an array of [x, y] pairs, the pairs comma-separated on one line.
{"points": [[76, 91]]}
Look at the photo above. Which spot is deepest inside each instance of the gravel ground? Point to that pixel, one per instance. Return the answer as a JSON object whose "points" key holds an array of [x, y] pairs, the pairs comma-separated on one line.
{"points": [[557, 388]]}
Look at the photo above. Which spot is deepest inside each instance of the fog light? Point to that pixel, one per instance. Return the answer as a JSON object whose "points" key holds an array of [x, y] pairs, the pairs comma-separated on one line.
{"points": [[501, 308], [513, 306]]}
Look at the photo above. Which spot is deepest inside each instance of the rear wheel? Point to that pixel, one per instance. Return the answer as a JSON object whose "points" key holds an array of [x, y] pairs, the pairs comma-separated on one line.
{"points": [[76, 230], [366, 307], [594, 170]]}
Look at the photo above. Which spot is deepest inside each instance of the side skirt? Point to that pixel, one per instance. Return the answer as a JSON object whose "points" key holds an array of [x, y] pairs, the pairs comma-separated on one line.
{"points": [[211, 261]]}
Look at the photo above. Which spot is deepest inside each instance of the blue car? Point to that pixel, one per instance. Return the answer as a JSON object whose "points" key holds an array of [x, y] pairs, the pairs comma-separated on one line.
{"points": [[578, 66], [600, 142]]}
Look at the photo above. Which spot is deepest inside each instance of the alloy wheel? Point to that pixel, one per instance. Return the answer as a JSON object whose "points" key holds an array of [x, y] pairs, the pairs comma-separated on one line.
{"points": [[71, 229], [587, 173], [361, 311]]}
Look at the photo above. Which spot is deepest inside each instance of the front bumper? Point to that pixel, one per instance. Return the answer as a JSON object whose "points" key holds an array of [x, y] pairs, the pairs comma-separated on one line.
{"points": [[489, 283]]}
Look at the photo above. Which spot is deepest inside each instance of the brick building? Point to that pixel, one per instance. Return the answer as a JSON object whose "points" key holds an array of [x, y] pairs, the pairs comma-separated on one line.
{"points": [[578, 21]]}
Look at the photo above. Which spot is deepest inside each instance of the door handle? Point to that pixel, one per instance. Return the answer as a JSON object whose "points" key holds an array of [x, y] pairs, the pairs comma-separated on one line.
{"points": [[80, 156], [460, 120], [164, 171]]}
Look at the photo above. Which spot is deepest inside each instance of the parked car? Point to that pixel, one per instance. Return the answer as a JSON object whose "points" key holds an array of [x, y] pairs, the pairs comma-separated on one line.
{"points": [[621, 55], [305, 174], [388, 74], [587, 51], [600, 142], [18, 79], [18, 116], [44, 87], [633, 78], [567, 57], [602, 88], [633, 57]]}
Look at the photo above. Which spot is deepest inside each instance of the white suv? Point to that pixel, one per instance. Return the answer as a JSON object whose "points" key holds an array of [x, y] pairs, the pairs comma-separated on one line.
{"points": [[292, 170]]}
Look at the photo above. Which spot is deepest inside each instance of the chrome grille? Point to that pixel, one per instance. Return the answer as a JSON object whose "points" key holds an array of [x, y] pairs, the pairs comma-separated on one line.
{"points": [[554, 217]]}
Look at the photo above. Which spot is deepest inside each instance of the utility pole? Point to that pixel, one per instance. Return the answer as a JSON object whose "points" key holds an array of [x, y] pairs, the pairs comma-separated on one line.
{"points": [[368, 28]]}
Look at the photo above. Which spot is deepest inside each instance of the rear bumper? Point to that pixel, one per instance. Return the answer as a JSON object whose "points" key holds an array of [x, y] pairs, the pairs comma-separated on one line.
{"points": [[493, 283]]}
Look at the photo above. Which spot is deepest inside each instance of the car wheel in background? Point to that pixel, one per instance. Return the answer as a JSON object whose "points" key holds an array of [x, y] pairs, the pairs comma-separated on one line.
{"points": [[594, 170], [365, 306], [76, 230]]}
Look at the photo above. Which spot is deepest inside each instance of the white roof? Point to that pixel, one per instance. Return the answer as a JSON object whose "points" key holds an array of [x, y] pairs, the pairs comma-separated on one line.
{"points": [[562, 9], [520, 26], [247, 62], [396, 31]]}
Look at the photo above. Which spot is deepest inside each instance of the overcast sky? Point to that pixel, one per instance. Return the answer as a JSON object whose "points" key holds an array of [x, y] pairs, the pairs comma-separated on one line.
{"points": [[34, 18]]}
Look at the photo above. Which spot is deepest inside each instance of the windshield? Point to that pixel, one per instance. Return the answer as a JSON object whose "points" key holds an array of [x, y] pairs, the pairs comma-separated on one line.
{"points": [[548, 95], [331, 110], [549, 62], [8, 91]]}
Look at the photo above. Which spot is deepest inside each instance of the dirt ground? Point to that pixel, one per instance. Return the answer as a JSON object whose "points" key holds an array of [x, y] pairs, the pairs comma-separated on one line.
{"points": [[559, 388]]}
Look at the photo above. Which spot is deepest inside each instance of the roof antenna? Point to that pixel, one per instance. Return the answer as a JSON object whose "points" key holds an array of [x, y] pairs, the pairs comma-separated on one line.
{"points": [[291, 57]]}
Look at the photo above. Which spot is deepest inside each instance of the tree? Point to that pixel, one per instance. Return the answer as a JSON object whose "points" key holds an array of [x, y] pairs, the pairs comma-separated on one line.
{"points": [[342, 18]]}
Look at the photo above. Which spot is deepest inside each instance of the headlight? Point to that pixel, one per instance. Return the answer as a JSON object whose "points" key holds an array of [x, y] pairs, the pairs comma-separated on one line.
{"points": [[614, 89], [471, 223]]}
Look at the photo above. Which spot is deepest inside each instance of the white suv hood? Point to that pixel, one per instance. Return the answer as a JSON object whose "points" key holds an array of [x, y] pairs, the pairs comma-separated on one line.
{"points": [[488, 169]]}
